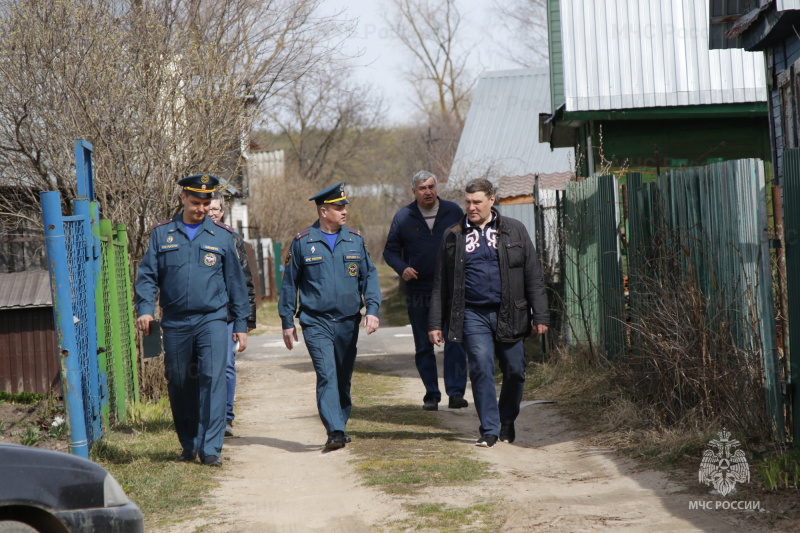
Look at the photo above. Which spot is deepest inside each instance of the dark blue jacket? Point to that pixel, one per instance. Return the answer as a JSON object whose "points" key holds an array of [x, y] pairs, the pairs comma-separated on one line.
{"points": [[330, 284], [411, 244], [190, 277]]}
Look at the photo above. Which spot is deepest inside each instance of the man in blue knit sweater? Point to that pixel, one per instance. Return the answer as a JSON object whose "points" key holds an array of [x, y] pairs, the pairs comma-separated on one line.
{"points": [[411, 250]]}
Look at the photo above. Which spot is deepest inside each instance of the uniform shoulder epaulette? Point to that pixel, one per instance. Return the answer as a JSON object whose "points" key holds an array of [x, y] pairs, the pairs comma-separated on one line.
{"points": [[161, 224], [355, 232], [224, 226], [303, 232]]}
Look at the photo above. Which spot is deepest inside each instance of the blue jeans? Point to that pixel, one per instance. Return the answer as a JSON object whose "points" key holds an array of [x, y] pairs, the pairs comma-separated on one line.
{"points": [[230, 375], [480, 327], [455, 360]]}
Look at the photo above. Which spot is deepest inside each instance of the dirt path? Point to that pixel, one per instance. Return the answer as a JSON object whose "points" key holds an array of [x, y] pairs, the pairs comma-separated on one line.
{"points": [[276, 478]]}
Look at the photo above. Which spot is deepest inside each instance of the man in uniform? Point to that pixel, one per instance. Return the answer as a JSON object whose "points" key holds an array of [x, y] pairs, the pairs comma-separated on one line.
{"points": [[217, 211], [329, 267], [192, 263], [411, 249]]}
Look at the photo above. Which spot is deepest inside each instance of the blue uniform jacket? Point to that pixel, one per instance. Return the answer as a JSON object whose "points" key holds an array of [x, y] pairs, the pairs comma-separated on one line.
{"points": [[411, 244], [331, 284], [202, 276]]}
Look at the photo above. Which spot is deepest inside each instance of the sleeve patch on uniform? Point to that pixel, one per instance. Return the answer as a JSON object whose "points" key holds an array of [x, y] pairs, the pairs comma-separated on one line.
{"points": [[313, 259], [288, 259]]}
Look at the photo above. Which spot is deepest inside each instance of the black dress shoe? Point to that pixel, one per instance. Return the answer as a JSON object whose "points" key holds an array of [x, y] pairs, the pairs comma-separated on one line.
{"points": [[430, 405], [187, 456], [335, 441], [212, 460], [457, 402], [346, 439]]}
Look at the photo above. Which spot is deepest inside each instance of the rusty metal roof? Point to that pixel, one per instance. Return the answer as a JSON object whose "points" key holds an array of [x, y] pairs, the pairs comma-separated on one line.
{"points": [[511, 186], [25, 289]]}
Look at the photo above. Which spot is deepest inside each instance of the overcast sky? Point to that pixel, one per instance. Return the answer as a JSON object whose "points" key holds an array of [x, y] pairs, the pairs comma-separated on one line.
{"points": [[383, 56]]}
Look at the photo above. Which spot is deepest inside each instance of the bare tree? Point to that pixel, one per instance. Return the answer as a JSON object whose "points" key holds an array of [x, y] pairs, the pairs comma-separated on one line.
{"points": [[429, 30], [526, 21], [322, 121], [161, 88]]}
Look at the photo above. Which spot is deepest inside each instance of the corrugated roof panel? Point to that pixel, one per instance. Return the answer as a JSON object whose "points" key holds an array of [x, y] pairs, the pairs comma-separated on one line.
{"points": [[627, 54], [501, 133], [25, 289]]}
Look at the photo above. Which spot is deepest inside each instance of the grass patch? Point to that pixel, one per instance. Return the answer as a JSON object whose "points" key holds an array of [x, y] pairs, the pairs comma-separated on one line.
{"points": [[141, 454], [780, 472], [402, 450], [25, 398], [446, 519], [267, 318]]}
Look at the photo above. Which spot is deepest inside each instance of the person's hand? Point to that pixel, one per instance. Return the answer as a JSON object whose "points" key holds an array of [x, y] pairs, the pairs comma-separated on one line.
{"points": [[143, 323], [539, 329], [435, 336], [371, 322], [409, 274], [242, 338], [290, 337]]}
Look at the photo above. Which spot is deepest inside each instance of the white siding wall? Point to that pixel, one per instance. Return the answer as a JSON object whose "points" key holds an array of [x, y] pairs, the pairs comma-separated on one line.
{"points": [[624, 54]]}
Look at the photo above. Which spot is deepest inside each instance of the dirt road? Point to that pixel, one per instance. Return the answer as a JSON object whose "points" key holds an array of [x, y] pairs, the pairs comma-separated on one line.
{"points": [[276, 478]]}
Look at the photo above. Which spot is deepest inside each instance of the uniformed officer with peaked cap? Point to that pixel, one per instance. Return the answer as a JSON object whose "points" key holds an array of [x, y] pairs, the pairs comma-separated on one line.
{"points": [[192, 264], [330, 269]]}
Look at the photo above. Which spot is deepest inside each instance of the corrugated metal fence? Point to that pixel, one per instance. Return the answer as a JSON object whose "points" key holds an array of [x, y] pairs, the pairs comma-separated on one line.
{"points": [[716, 216], [592, 273], [791, 194]]}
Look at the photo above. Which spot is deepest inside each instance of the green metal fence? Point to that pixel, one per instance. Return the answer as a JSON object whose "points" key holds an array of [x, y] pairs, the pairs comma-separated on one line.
{"points": [[716, 217], [115, 334], [592, 273], [791, 195]]}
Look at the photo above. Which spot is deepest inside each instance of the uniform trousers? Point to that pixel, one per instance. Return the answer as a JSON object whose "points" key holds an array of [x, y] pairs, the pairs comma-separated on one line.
{"points": [[195, 362], [331, 344], [230, 375], [455, 360], [480, 327]]}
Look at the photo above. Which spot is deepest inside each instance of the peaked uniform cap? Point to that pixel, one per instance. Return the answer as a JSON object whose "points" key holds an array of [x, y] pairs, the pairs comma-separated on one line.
{"points": [[200, 185], [333, 195]]}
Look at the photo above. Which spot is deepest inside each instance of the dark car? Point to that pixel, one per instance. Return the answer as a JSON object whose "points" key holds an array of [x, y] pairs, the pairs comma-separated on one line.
{"points": [[54, 492]]}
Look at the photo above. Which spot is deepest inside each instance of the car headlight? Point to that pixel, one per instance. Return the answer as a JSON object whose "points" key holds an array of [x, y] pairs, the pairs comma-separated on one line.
{"points": [[113, 495]]}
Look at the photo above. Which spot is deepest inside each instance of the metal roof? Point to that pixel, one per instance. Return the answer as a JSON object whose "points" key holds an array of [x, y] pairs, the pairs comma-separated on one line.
{"points": [[786, 5], [25, 289], [511, 186], [501, 133], [626, 54]]}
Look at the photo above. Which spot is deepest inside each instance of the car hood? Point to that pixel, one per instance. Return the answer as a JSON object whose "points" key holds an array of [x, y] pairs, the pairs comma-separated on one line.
{"points": [[50, 479]]}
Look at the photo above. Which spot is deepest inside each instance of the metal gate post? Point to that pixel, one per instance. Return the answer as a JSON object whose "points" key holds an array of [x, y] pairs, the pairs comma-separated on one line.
{"points": [[55, 242]]}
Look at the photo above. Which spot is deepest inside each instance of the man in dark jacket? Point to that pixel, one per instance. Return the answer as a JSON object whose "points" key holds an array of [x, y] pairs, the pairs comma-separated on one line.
{"points": [[411, 248], [216, 211], [489, 291]]}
